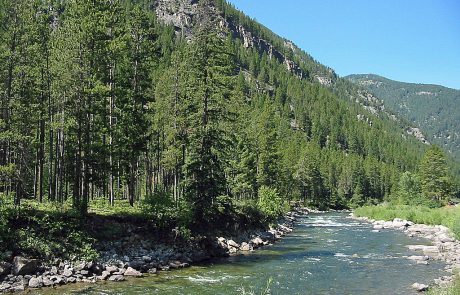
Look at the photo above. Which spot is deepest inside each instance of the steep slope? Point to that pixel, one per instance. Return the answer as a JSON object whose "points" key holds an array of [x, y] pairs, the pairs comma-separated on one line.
{"points": [[432, 108], [253, 36]]}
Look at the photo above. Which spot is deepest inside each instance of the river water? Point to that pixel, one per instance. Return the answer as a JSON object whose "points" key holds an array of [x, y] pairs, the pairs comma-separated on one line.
{"points": [[325, 254]]}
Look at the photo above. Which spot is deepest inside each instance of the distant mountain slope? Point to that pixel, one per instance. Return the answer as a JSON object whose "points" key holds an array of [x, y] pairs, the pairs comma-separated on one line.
{"points": [[433, 108]]}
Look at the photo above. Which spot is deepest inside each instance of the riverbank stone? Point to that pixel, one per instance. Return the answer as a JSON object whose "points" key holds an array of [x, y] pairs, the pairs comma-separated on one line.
{"points": [[116, 278], [131, 272], [36, 282], [419, 287], [24, 266]]}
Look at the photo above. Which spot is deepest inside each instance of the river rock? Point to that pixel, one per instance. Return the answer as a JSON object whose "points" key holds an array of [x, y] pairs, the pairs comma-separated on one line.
{"points": [[4, 286], [23, 266], [111, 269], [153, 271], [257, 242], [222, 242], [47, 282], [36, 282], [245, 247], [146, 259], [131, 272], [419, 287], [19, 287], [104, 276], [116, 278], [418, 258], [54, 270], [444, 238], [79, 267], [67, 272], [84, 272], [233, 244]]}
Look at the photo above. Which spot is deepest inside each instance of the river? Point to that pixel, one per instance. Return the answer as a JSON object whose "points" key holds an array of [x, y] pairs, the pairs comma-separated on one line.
{"points": [[325, 254]]}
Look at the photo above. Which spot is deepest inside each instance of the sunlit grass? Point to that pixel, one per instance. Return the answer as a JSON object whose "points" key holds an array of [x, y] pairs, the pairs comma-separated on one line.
{"points": [[453, 289], [447, 216]]}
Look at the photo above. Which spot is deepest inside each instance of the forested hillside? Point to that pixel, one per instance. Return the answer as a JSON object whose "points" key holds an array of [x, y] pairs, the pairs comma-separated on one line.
{"points": [[433, 108], [107, 100]]}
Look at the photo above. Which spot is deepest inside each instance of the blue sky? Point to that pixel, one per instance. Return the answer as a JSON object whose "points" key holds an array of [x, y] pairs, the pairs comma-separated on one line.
{"points": [[405, 40]]}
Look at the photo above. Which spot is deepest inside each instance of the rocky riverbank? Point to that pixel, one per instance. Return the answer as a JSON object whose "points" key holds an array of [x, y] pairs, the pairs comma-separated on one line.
{"points": [[445, 247], [135, 256]]}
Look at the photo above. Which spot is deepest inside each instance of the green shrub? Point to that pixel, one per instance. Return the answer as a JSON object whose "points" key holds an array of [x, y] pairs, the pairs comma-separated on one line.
{"points": [[270, 203], [158, 206]]}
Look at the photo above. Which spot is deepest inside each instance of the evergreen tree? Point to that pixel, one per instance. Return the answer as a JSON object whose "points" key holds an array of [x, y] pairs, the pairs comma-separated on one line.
{"points": [[210, 78], [434, 175]]}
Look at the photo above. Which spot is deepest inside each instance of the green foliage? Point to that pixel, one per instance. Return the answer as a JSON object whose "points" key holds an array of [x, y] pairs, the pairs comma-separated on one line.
{"points": [[157, 206], [434, 176], [49, 235], [270, 202], [409, 190]]}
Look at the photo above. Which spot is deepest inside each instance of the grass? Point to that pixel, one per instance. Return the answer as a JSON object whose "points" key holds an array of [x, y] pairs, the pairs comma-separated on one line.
{"points": [[447, 216], [453, 289]]}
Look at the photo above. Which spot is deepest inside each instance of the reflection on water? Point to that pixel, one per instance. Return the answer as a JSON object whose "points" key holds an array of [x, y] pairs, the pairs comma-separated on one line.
{"points": [[326, 254]]}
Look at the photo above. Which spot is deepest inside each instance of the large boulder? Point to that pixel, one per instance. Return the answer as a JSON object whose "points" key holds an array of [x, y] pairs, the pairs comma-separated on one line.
{"points": [[419, 287], [111, 269], [47, 282], [256, 242], [67, 272], [36, 282], [245, 247], [24, 266], [233, 244], [104, 276], [131, 272]]}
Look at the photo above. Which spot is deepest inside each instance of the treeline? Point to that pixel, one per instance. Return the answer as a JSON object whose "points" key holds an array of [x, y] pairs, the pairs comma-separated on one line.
{"points": [[431, 185], [100, 101]]}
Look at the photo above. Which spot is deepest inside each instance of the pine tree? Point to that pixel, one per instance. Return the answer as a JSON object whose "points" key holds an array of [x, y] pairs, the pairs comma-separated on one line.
{"points": [[434, 175], [210, 78]]}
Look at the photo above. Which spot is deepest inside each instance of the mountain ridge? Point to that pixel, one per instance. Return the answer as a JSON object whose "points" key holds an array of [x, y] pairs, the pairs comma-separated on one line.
{"points": [[433, 108]]}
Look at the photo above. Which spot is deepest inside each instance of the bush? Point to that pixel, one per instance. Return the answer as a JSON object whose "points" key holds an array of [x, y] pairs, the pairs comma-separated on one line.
{"points": [[158, 206], [270, 203]]}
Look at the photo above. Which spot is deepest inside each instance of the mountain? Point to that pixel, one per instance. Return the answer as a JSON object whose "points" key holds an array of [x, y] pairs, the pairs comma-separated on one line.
{"points": [[432, 108]]}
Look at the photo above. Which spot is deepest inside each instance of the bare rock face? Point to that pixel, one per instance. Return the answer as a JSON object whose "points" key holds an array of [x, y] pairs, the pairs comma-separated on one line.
{"points": [[24, 266], [178, 14], [183, 15]]}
